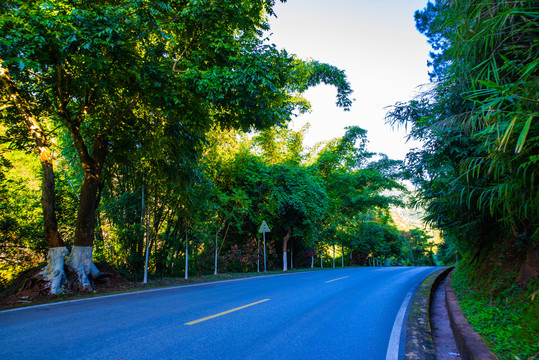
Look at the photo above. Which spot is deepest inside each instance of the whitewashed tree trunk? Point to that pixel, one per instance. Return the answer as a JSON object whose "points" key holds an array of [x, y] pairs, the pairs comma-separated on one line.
{"points": [[216, 252], [334, 256], [80, 261], [312, 261], [54, 272], [285, 249], [142, 217], [147, 258], [186, 257]]}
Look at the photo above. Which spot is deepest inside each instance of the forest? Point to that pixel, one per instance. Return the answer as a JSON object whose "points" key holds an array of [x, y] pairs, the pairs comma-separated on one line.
{"points": [[154, 136]]}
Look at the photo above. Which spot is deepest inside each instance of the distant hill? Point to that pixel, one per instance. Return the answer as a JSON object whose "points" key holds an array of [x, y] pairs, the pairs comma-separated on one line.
{"points": [[407, 219]]}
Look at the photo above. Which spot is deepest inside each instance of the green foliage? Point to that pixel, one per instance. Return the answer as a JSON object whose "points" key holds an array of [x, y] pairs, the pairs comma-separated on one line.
{"points": [[131, 77], [505, 315], [478, 166], [21, 241], [357, 184], [151, 102], [419, 248], [447, 253]]}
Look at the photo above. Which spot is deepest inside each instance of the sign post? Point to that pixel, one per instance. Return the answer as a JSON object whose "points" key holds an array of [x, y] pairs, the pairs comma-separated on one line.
{"points": [[264, 229]]}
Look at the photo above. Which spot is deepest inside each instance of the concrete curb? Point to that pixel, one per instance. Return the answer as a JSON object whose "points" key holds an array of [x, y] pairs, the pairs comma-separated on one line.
{"points": [[471, 346], [419, 343]]}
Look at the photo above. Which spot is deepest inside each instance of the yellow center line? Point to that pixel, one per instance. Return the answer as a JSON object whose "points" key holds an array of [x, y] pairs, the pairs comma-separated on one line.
{"points": [[224, 313], [344, 277]]}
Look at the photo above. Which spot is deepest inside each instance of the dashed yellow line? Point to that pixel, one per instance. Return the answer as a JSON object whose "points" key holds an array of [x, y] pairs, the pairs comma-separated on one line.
{"points": [[344, 277], [224, 313]]}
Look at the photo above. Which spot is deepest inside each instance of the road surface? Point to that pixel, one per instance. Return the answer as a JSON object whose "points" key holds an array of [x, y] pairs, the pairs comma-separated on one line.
{"points": [[351, 313]]}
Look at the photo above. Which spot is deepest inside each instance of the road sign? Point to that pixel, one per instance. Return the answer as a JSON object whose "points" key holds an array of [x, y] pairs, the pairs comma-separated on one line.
{"points": [[264, 228]]}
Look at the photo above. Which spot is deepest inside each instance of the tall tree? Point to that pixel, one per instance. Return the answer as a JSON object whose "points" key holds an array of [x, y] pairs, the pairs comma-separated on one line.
{"points": [[102, 69], [11, 94], [298, 202]]}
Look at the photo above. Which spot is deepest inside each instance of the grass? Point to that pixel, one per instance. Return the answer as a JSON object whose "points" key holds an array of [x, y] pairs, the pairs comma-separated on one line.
{"points": [[505, 315]]}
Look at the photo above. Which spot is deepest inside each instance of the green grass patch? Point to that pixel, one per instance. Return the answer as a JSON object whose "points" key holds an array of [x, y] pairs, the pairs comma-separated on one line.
{"points": [[504, 314]]}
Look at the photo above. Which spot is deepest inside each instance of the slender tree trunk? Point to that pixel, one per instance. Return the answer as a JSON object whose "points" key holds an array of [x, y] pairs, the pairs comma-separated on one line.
{"points": [[186, 255], [148, 247], [342, 256], [291, 256], [142, 213], [216, 248], [312, 261], [53, 272], [285, 244], [334, 256]]}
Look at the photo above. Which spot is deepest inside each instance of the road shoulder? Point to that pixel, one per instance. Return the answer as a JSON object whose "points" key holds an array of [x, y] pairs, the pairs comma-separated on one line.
{"points": [[419, 343]]}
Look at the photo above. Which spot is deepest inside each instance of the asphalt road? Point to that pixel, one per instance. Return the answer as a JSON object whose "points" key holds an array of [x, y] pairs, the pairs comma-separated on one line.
{"points": [[351, 313]]}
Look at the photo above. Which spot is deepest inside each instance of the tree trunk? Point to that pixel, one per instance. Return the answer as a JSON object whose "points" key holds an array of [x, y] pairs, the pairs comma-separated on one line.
{"points": [[285, 244], [291, 256], [80, 260], [148, 247], [53, 272], [216, 255], [312, 261], [334, 256], [186, 256]]}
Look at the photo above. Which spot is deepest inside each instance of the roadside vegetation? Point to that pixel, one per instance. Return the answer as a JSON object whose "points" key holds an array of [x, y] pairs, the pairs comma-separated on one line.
{"points": [[503, 313], [152, 137], [477, 169]]}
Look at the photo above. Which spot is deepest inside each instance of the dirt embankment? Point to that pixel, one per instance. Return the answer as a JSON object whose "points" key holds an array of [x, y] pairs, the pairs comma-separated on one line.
{"points": [[30, 289]]}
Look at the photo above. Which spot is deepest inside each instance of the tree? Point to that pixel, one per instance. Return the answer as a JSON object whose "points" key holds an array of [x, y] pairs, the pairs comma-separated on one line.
{"points": [[357, 185], [20, 214], [100, 71], [21, 109], [298, 202]]}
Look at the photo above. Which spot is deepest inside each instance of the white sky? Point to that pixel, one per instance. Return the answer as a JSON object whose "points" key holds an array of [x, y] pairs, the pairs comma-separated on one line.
{"points": [[383, 55]]}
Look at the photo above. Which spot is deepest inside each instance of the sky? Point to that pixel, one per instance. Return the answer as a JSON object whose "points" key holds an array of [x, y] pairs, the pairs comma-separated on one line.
{"points": [[375, 42]]}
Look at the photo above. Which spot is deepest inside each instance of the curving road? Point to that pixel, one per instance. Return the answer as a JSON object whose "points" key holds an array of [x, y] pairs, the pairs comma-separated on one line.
{"points": [[351, 313]]}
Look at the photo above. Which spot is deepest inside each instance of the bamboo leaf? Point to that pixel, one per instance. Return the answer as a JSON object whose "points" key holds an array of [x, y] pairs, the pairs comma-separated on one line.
{"points": [[523, 134], [491, 84]]}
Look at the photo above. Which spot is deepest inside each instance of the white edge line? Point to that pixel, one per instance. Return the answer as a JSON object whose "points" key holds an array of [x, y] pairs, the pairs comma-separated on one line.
{"points": [[394, 340], [63, 302]]}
